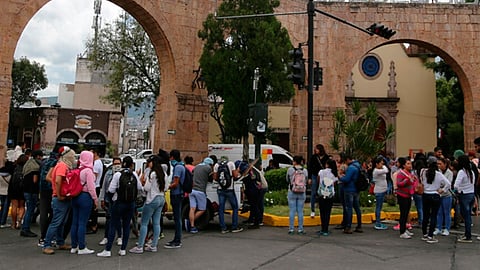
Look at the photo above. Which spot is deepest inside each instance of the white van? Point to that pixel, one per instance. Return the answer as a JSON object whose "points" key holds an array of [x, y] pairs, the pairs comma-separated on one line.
{"points": [[235, 151]]}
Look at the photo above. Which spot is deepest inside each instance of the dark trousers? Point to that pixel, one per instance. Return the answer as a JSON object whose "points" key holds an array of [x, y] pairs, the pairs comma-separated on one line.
{"points": [[93, 219], [176, 202], [325, 205], [46, 211], [431, 204], [253, 196], [404, 205], [122, 213]]}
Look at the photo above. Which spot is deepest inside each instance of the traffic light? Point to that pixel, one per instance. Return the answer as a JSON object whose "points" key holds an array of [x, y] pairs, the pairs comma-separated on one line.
{"points": [[381, 30], [257, 118], [317, 75], [297, 67]]}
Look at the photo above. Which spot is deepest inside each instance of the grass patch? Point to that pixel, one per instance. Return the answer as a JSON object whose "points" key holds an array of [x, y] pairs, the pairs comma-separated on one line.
{"points": [[282, 210]]}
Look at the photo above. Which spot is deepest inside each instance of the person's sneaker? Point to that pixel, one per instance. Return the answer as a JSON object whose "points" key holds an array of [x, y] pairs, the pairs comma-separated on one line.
{"points": [[340, 227], [104, 253], [312, 214], [478, 237], [425, 237], [48, 251], [409, 232], [187, 225], [54, 243], [348, 231], [41, 242], [162, 235], [380, 227], [409, 226], [291, 232], [464, 239], [396, 227], [4, 226], [85, 251], [64, 247], [445, 232], [136, 249], [325, 233], [119, 241], [27, 234], [74, 250], [224, 231], [358, 230], [237, 230], [122, 252], [103, 242], [437, 232], [151, 249], [171, 245], [405, 236], [301, 232], [193, 230], [431, 240]]}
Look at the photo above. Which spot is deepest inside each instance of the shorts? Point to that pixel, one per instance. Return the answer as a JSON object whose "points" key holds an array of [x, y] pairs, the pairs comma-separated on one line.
{"points": [[198, 200]]}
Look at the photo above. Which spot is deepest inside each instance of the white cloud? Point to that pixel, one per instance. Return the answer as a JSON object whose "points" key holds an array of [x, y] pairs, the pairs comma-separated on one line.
{"points": [[56, 35]]}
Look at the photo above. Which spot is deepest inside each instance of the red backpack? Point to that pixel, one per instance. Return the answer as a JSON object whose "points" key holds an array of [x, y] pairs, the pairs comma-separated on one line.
{"points": [[72, 185]]}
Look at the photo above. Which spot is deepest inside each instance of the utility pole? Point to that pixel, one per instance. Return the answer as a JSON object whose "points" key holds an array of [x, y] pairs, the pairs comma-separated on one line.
{"points": [[311, 14]]}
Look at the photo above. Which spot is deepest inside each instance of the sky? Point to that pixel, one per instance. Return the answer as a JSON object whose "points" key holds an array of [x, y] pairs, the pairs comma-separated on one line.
{"points": [[57, 34]]}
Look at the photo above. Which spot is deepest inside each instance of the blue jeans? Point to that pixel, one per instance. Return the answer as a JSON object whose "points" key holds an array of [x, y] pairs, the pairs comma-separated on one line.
{"points": [[443, 216], [5, 204], [31, 200], [81, 206], [229, 195], [466, 201], [122, 213], [419, 205], [296, 202], [379, 198], [152, 211], [60, 215], [352, 201], [313, 192], [176, 202]]}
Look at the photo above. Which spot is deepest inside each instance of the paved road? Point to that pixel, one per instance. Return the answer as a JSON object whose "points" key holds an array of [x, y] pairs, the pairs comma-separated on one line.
{"points": [[264, 248]]}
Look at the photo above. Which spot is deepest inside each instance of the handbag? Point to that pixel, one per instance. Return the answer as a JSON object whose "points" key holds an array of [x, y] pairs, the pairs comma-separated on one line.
{"points": [[419, 188], [371, 189]]}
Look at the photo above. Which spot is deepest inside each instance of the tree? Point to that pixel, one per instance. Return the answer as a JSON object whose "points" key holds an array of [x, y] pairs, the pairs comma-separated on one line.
{"points": [[124, 49], [233, 49], [27, 78], [359, 134]]}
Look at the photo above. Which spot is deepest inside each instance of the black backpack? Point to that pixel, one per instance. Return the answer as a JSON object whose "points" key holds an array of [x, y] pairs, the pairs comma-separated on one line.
{"points": [[187, 184], [17, 179], [127, 187], [224, 176], [362, 182]]}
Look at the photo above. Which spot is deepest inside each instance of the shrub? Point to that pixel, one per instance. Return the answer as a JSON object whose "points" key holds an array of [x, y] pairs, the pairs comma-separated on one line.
{"points": [[278, 197], [277, 179], [366, 199]]}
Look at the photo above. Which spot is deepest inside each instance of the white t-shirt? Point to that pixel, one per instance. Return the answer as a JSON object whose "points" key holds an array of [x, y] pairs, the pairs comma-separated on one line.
{"points": [[98, 170], [231, 167]]}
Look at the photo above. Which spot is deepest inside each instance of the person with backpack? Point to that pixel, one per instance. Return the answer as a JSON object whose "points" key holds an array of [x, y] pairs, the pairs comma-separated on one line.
{"points": [[326, 192], [176, 197], [45, 186], [351, 194], [316, 163], [198, 196], [225, 172], [15, 192], [125, 186], [31, 173], [379, 176], [60, 204], [297, 180], [82, 204]]}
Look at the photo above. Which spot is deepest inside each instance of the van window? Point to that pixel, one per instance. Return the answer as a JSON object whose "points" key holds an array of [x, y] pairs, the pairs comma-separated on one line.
{"points": [[280, 158]]}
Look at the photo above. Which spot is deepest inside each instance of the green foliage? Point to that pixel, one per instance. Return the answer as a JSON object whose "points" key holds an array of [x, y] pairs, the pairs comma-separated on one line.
{"points": [[277, 179], [124, 51], [455, 136], [366, 199], [233, 49], [278, 197], [358, 134], [27, 78]]}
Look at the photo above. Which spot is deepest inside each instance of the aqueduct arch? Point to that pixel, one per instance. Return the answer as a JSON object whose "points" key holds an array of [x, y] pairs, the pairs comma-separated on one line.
{"points": [[182, 115]]}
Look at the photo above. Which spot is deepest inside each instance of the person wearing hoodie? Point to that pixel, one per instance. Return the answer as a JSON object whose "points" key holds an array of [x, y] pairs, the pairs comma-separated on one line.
{"points": [[61, 205], [351, 195], [31, 174], [82, 204]]}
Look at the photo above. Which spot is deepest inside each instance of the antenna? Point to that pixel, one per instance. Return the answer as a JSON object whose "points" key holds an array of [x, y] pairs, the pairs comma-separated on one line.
{"points": [[97, 8]]}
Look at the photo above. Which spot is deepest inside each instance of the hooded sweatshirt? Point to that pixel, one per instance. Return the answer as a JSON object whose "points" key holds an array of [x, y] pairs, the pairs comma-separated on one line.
{"points": [[87, 177]]}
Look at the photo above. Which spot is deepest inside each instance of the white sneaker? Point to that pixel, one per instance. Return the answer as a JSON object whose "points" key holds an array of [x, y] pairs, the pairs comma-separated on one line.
{"points": [[73, 250], [104, 254], [103, 242], [409, 233], [312, 214], [122, 252], [85, 251], [136, 249], [405, 236], [437, 232], [445, 232], [119, 241]]}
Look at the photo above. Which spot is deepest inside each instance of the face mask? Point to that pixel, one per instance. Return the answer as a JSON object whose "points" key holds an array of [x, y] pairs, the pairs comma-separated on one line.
{"points": [[117, 167]]}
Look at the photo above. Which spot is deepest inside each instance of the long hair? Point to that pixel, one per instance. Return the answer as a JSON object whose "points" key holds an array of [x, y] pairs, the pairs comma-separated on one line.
{"points": [[157, 168], [321, 149], [127, 162], [464, 163], [431, 171], [402, 161], [332, 164]]}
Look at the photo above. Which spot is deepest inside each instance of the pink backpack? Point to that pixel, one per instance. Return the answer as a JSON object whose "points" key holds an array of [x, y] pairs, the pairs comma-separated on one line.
{"points": [[299, 183]]}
